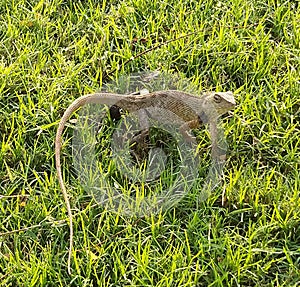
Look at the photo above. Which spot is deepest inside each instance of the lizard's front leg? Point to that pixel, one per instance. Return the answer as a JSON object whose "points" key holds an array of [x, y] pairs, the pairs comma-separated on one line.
{"points": [[187, 126], [196, 123]]}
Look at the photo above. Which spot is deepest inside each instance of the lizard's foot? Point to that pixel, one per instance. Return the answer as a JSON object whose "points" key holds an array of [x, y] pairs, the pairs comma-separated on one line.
{"points": [[140, 146]]}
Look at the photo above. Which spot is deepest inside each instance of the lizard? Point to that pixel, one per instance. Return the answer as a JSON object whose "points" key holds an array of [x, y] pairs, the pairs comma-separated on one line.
{"points": [[193, 110]]}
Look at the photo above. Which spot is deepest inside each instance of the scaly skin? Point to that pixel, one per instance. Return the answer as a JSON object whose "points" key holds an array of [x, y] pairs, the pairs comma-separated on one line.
{"points": [[193, 110]]}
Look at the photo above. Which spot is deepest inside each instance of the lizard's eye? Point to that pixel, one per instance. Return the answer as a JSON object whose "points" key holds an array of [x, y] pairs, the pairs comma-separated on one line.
{"points": [[217, 98]]}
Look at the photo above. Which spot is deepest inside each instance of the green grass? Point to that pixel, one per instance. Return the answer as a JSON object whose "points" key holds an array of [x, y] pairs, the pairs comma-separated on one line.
{"points": [[245, 234]]}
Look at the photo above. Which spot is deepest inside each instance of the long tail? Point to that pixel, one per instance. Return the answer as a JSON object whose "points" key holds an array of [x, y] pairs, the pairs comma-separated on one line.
{"points": [[62, 185]]}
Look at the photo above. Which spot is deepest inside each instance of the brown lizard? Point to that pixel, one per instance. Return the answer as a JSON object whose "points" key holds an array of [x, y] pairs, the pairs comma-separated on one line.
{"points": [[193, 110]]}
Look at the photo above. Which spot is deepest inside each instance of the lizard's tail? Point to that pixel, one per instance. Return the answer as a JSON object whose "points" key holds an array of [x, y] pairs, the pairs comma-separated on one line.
{"points": [[58, 145]]}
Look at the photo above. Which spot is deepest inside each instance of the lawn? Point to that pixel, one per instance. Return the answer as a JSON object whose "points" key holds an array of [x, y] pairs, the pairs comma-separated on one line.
{"points": [[246, 233]]}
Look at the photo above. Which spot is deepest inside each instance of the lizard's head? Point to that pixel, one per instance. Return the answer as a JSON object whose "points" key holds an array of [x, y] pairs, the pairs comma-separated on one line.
{"points": [[222, 101]]}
